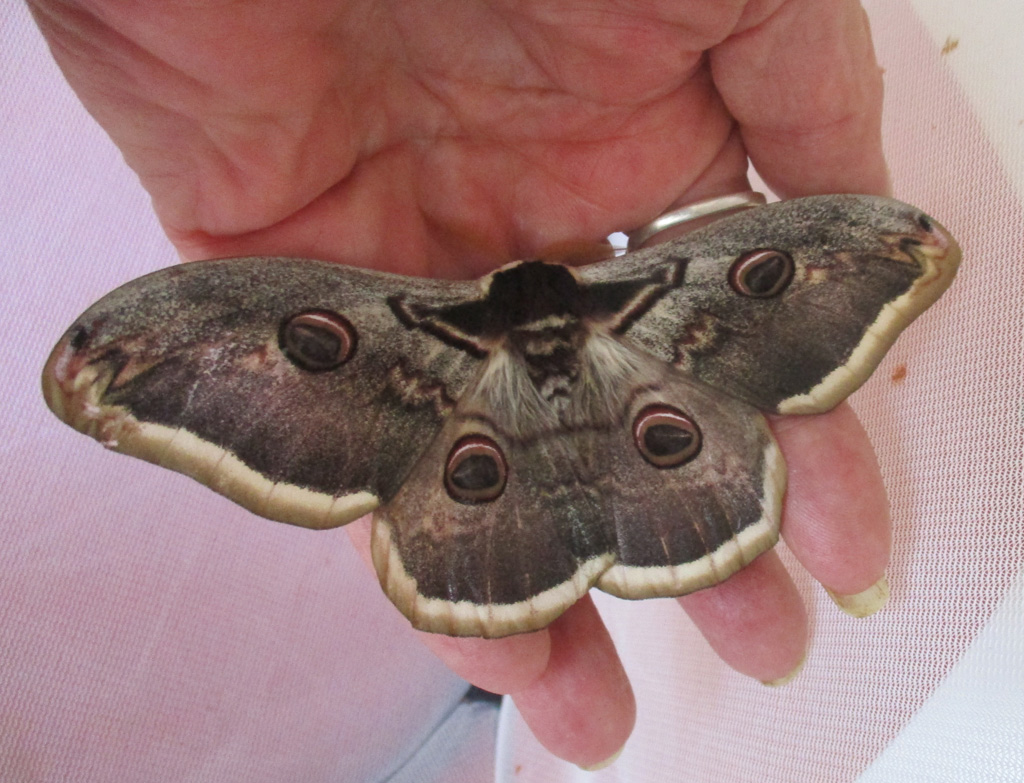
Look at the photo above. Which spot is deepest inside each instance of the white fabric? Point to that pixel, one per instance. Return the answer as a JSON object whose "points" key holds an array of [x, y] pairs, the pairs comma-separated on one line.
{"points": [[930, 689], [151, 631]]}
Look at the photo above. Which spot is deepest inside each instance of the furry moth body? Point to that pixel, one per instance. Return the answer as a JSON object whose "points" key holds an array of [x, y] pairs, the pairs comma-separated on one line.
{"points": [[524, 437]]}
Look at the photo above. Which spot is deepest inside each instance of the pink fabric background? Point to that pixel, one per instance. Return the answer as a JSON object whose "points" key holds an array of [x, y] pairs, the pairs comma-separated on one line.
{"points": [[152, 631], [149, 629]]}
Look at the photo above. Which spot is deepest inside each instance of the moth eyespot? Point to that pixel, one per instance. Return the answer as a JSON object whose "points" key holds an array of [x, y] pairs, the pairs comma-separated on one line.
{"points": [[925, 223], [761, 273], [666, 437], [475, 471], [317, 340]]}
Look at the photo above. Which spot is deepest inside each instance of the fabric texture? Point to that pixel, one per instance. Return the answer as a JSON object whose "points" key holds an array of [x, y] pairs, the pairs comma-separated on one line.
{"points": [[152, 631], [149, 629], [932, 687]]}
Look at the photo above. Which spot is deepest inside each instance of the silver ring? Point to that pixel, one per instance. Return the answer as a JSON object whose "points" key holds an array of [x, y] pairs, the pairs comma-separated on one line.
{"points": [[699, 209]]}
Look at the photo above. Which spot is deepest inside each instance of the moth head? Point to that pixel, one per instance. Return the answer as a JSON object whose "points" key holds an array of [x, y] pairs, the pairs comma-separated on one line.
{"points": [[317, 340], [665, 436]]}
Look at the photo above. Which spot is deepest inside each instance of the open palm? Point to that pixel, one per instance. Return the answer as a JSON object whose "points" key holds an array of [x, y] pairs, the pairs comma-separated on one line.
{"points": [[447, 138]]}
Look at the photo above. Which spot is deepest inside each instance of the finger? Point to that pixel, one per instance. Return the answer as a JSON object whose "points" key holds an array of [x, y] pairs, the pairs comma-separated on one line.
{"points": [[566, 680], [755, 620], [806, 89], [726, 173], [496, 665], [582, 707], [836, 513]]}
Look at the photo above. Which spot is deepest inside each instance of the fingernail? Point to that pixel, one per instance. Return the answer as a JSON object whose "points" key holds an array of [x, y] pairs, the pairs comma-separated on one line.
{"points": [[602, 764], [786, 678], [864, 603]]}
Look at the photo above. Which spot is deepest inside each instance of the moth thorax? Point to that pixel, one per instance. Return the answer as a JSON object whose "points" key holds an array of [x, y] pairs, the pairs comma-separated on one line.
{"points": [[551, 351], [611, 370], [537, 384]]}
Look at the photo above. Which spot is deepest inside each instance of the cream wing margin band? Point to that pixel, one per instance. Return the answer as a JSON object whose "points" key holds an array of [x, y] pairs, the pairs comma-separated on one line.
{"points": [[184, 452], [938, 267], [465, 618]]}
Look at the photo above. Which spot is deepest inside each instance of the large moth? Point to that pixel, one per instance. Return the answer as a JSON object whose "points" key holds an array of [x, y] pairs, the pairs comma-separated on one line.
{"points": [[521, 438]]}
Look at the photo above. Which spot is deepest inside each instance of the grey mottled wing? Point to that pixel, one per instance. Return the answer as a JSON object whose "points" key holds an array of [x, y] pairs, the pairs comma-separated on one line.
{"points": [[188, 368], [853, 272], [580, 508]]}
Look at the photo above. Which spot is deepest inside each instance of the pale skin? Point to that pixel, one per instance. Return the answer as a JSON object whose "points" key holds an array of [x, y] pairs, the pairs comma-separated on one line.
{"points": [[447, 139]]}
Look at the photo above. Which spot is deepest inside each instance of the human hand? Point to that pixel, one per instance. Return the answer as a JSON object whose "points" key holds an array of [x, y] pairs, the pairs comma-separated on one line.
{"points": [[447, 140]]}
